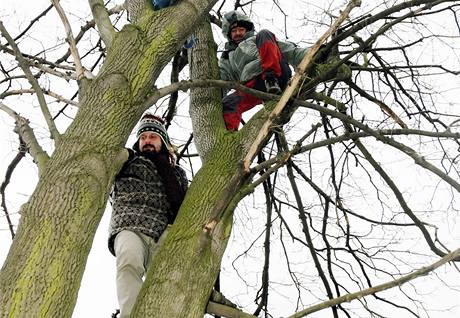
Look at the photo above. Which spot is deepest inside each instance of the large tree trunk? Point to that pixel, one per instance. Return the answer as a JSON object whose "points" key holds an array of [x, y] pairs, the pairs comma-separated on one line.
{"points": [[42, 273]]}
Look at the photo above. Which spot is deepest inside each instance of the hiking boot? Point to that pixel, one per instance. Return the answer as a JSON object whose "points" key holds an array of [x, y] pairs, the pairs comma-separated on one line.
{"points": [[271, 84]]}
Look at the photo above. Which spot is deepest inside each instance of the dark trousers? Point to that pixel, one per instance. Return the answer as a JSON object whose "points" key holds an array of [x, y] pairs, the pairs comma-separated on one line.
{"points": [[272, 61]]}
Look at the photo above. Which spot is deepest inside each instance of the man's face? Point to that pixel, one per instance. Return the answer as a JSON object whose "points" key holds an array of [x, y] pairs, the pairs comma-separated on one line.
{"points": [[150, 141], [237, 34]]}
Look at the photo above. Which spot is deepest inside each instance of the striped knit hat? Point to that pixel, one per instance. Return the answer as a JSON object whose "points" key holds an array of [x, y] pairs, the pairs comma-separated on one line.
{"points": [[150, 122]]}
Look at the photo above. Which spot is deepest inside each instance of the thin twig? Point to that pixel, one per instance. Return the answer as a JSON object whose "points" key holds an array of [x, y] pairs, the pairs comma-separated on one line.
{"points": [[305, 228], [262, 294], [9, 171], [33, 22], [46, 92]]}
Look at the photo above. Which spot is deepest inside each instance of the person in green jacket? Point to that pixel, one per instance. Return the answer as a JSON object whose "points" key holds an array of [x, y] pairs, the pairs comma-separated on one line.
{"points": [[259, 61]]}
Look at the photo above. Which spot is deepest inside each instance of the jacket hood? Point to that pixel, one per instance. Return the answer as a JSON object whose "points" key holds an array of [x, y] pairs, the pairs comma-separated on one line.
{"points": [[236, 17]]}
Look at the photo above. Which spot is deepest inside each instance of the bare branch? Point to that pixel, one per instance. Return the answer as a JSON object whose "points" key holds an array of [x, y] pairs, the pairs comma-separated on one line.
{"points": [[373, 290], [33, 81], [104, 25], [26, 133], [305, 226], [88, 26], [67, 75], [9, 172], [81, 71], [47, 92], [381, 104], [33, 22], [35, 60], [281, 158], [226, 311]]}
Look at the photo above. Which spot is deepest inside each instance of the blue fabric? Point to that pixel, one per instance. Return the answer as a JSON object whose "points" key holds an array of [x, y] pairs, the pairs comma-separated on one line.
{"points": [[190, 42], [160, 4]]}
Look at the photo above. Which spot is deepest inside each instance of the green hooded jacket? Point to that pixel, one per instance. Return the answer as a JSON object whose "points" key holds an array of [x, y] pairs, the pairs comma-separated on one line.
{"points": [[241, 62]]}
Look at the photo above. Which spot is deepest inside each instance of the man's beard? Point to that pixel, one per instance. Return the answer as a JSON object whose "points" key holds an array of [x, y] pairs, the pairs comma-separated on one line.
{"points": [[149, 149]]}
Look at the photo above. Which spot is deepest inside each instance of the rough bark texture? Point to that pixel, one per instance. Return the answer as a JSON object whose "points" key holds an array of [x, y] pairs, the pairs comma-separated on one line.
{"points": [[205, 103], [135, 8], [42, 273]]}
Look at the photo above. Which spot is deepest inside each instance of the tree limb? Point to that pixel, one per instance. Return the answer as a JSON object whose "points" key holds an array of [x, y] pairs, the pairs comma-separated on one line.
{"points": [[67, 75], [47, 92], [205, 103], [81, 71], [9, 172], [305, 228], [33, 22], [104, 25], [381, 104], [226, 311], [373, 290], [86, 27], [26, 133]]}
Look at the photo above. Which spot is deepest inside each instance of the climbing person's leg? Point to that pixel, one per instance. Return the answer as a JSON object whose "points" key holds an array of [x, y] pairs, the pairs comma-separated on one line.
{"points": [[236, 103], [275, 71]]}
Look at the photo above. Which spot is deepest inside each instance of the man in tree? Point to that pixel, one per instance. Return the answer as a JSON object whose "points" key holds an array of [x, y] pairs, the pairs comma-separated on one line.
{"points": [[259, 61], [148, 192]]}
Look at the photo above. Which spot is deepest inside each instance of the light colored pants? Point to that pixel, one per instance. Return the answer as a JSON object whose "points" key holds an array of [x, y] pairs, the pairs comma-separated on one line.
{"points": [[134, 252]]}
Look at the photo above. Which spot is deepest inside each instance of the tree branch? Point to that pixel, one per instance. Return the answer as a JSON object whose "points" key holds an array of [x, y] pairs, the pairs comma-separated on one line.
{"points": [[9, 172], [381, 104], [305, 228], [33, 81], [103, 23], [46, 92], [279, 160], [226, 311], [373, 290], [33, 22], [26, 133], [33, 60], [81, 71], [205, 103], [67, 75], [86, 27]]}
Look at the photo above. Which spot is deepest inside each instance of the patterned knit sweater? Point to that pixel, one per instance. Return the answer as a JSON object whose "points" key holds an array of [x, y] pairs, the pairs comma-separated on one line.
{"points": [[140, 203]]}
